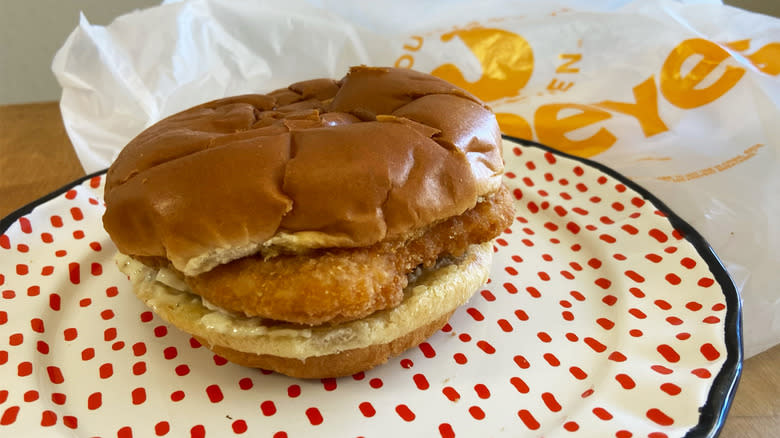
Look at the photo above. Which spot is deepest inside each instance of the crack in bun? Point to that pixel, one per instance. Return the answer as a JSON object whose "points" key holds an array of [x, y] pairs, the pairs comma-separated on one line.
{"points": [[379, 154]]}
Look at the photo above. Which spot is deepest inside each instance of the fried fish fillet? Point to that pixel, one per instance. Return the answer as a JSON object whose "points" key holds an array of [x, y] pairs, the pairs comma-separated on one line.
{"points": [[343, 284]]}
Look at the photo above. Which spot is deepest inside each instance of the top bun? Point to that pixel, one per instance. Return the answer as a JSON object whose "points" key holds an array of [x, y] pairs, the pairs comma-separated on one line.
{"points": [[380, 154]]}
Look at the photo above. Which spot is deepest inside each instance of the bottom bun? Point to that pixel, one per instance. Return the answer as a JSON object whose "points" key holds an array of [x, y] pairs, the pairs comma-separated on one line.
{"points": [[340, 364], [326, 350]]}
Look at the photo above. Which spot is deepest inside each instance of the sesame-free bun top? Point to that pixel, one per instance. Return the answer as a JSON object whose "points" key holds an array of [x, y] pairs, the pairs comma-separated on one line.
{"points": [[380, 154]]}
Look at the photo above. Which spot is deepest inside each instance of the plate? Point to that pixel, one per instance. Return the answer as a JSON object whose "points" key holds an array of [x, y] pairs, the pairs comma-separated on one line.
{"points": [[605, 315]]}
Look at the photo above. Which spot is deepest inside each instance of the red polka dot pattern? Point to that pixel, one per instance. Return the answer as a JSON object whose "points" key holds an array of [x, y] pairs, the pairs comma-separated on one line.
{"points": [[597, 311]]}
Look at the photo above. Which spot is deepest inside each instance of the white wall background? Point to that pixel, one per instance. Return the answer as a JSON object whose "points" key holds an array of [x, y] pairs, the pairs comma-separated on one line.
{"points": [[31, 31]]}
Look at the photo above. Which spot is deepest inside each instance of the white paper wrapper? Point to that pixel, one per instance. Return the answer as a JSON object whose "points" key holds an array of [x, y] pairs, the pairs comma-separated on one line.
{"points": [[682, 98]]}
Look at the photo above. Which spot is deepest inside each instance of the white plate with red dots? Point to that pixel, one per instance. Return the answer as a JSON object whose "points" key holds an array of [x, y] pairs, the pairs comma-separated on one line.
{"points": [[605, 315]]}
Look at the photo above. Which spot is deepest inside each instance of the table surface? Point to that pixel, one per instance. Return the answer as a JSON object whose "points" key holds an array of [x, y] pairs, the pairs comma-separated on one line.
{"points": [[36, 157]]}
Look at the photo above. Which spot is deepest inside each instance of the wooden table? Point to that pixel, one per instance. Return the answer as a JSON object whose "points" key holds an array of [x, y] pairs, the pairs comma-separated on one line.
{"points": [[36, 157]]}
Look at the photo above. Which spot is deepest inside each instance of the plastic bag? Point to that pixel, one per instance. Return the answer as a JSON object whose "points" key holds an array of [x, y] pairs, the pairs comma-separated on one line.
{"points": [[682, 98]]}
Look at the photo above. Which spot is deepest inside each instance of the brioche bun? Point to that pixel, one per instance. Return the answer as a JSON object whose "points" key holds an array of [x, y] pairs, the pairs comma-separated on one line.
{"points": [[322, 164]]}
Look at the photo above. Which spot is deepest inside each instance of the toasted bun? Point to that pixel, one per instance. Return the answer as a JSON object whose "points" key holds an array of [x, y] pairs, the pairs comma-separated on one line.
{"points": [[379, 154], [326, 350], [337, 364]]}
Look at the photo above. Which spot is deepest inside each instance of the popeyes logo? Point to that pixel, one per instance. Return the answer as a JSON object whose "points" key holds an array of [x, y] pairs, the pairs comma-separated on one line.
{"points": [[506, 61]]}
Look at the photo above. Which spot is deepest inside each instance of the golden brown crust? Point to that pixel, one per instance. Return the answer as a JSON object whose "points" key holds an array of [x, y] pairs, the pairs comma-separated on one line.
{"points": [[333, 365], [377, 155], [345, 284]]}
